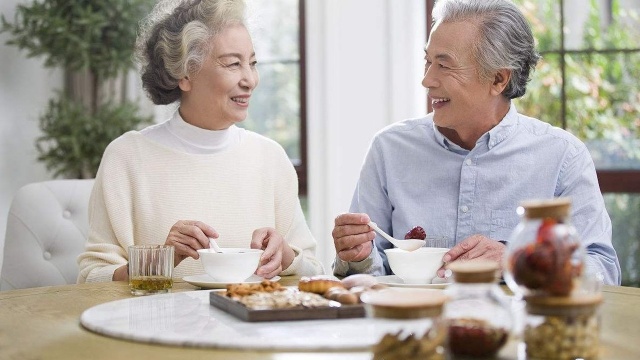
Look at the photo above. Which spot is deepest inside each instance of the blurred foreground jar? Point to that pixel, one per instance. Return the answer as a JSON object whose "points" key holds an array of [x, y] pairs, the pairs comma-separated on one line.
{"points": [[563, 327], [478, 312], [544, 254], [418, 313]]}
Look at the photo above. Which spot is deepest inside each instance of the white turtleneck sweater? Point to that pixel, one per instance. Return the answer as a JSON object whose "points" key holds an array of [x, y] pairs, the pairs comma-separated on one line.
{"points": [[234, 180]]}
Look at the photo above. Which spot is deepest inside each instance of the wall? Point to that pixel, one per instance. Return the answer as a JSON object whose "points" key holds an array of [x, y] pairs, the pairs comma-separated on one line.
{"points": [[361, 77], [25, 87]]}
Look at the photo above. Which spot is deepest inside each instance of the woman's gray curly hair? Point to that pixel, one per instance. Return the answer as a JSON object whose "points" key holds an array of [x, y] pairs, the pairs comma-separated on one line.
{"points": [[174, 41], [505, 40]]}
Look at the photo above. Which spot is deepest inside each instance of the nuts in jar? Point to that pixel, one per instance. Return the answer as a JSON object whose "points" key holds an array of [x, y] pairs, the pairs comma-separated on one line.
{"points": [[396, 346], [563, 338], [423, 333], [562, 327]]}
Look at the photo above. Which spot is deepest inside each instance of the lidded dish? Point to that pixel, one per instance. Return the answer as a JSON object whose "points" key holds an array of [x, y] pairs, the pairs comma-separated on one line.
{"points": [[478, 314], [544, 254]]}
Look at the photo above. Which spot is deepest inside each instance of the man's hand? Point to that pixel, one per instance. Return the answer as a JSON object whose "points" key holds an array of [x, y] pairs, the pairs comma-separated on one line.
{"points": [[474, 247], [352, 237]]}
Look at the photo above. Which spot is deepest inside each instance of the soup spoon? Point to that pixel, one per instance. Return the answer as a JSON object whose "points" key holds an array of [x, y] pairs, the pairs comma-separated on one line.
{"points": [[408, 244], [214, 245]]}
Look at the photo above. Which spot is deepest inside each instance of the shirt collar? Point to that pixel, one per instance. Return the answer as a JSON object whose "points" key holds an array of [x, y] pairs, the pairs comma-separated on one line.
{"points": [[491, 138], [501, 131]]}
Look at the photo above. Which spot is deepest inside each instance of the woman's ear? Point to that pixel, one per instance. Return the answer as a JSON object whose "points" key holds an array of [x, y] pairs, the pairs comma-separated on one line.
{"points": [[185, 84], [500, 81]]}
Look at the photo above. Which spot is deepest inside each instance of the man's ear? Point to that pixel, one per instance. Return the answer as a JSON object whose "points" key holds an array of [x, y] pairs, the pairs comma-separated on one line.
{"points": [[500, 81], [184, 84]]}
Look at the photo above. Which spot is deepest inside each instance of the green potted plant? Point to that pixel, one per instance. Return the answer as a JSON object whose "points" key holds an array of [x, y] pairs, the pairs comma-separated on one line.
{"points": [[93, 41]]}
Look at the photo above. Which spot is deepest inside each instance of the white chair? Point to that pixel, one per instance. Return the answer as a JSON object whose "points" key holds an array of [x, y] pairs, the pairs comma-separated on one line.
{"points": [[47, 228]]}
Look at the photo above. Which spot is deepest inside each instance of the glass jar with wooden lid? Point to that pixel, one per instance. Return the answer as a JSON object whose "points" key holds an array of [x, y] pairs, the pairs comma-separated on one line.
{"points": [[417, 313], [562, 327], [478, 313], [544, 254]]}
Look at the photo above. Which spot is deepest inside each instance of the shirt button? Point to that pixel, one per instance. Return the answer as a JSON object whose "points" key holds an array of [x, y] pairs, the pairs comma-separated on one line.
{"points": [[465, 208], [468, 162], [66, 214], [46, 255]]}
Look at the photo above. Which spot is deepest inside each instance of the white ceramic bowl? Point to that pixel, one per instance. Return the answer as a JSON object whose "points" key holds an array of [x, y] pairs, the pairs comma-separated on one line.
{"points": [[418, 266], [231, 265]]}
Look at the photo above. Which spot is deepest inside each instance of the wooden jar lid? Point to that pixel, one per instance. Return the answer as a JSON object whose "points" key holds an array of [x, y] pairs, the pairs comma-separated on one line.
{"points": [[550, 208], [474, 271], [401, 303], [563, 305]]}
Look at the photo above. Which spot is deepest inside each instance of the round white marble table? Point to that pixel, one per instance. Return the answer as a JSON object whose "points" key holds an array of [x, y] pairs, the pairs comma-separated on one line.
{"points": [[187, 319]]}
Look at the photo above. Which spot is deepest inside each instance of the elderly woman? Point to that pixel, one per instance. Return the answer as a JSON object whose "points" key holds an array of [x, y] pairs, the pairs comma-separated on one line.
{"points": [[197, 175]]}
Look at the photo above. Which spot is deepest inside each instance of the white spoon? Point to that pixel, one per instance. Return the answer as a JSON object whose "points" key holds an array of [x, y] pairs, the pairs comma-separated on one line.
{"points": [[408, 244], [213, 245]]}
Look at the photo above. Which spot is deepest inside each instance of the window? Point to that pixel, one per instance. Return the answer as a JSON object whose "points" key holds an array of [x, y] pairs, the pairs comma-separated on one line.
{"points": [[278, 105], [587, 83]]}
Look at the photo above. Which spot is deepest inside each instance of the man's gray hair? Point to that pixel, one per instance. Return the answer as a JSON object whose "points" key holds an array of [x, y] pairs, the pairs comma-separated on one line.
{"points": [[505, 40]]}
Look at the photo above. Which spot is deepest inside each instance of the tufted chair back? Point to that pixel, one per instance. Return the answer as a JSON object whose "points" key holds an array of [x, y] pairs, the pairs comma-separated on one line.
{"points": [[47, 228]]}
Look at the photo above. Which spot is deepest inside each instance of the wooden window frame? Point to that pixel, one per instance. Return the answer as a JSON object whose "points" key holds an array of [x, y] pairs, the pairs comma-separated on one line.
{"points": [[302, 168]]}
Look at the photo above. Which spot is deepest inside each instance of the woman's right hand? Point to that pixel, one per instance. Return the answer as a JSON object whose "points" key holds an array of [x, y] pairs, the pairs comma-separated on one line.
{"points": [[189, 236]]}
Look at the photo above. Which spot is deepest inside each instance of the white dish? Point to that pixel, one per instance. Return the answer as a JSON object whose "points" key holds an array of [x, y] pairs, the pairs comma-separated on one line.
{"points": [[231, 265], [206, 282], [394, 280], [405, 264]]}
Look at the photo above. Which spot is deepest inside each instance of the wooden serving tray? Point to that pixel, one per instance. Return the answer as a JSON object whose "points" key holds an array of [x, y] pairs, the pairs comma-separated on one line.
{"points": [[219, 300]]}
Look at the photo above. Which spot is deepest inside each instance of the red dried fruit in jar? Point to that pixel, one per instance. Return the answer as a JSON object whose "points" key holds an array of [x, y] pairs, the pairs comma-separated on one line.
{"points": [[546, 230], [523, 271], [545, 256], [416, 233], [475, 338], [562, 283], [546, 264]]}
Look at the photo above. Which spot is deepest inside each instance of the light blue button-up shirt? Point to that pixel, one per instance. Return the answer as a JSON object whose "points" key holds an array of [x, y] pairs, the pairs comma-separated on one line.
{"points": [[413, 175]]}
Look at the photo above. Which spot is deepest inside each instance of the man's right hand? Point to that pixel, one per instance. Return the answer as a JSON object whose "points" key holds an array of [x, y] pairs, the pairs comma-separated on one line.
{"points": [[352, 237]]}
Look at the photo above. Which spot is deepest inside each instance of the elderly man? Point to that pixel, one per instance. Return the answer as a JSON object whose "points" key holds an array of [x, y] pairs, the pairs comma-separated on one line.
{"points": [[462, 170]]}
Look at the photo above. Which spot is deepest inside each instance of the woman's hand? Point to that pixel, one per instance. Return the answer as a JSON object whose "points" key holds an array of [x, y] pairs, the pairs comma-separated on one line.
{"points": [[277, 255], [189, 236], [121, 273]]}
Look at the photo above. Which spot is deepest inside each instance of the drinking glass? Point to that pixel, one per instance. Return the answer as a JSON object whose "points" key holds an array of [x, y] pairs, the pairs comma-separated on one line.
{"points": [[150, 269]]}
